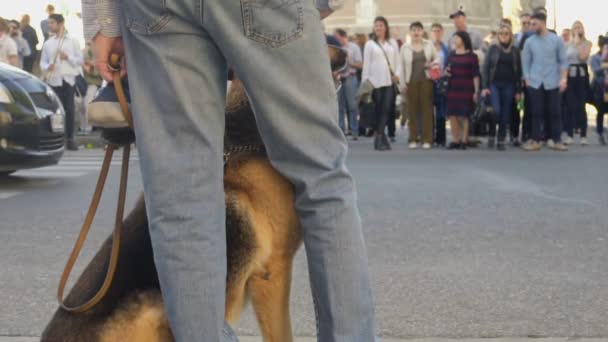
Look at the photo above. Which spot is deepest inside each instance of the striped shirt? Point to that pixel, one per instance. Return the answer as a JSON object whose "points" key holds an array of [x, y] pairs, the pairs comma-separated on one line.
{"points": [[104, 16]]}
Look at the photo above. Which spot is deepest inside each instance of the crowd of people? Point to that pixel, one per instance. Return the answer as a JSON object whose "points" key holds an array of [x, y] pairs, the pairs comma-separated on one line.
{"points": [[61, 63], [526, 89]]}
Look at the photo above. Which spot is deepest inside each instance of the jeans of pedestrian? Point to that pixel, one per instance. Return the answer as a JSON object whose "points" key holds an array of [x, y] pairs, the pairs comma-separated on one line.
{"points": [[545, 102], [65, 93], [178, 53], [440, 114], [347, 102], [420, 109], [576, 100], [501, 96], [384, 99], [601, 111]]}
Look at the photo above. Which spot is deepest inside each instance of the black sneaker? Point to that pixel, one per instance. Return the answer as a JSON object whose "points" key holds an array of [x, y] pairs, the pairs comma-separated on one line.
{"points": [[454, 146], [501, 146]]}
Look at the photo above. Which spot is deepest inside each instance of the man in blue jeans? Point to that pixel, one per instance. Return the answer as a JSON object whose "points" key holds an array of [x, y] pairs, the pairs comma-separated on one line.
{"points": [[177, 53], [347, 102], [545, 70]]}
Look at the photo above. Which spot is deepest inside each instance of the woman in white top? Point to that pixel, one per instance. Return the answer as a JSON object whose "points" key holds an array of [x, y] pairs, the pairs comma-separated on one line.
{"points": [[380, 57]]}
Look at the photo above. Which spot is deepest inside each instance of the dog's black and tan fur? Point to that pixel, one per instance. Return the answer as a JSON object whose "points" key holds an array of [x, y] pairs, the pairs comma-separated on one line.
{"points": [[262, 233]]}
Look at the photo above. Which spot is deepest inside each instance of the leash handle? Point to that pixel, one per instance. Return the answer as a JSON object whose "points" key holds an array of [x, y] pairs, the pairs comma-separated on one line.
{"points": [[115, 66], [101, 181]]}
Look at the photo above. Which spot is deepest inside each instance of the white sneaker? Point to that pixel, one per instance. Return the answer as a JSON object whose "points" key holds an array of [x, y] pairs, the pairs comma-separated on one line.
{"points": [[550, 143], [568, 140], [584, 142], [413, 146], [426, 146]]}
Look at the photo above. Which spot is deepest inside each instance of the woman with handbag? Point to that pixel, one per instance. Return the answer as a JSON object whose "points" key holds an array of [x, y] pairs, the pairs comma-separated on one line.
{"points": [[502, 76], [379, 57], [417, 60], [463, 91]]}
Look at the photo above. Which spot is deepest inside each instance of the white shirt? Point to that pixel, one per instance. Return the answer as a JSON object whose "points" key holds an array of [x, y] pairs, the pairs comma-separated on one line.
{"points": [[8, 48], [64, 70], [375, 68]]}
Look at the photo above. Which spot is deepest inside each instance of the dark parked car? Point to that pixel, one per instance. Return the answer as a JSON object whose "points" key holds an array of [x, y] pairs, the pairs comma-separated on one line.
{"points": [[31, 122]]}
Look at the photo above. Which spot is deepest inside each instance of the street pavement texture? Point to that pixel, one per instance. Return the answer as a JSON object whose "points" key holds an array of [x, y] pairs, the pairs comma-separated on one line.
{"points": [[467, 244]]}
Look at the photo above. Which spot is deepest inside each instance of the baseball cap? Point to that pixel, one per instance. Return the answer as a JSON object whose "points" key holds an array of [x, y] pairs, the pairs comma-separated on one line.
{"points": [[458, 14]]}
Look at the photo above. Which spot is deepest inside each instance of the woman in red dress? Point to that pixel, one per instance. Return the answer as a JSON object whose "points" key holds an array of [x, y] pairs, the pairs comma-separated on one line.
{"points": [[463, 92]]}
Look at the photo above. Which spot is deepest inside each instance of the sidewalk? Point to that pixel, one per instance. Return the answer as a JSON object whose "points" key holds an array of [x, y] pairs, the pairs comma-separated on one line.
{"points": [[309, 339]]}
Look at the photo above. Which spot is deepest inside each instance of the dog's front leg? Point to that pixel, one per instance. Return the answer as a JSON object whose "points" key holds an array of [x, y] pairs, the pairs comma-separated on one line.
{"points": [[270, 298]]}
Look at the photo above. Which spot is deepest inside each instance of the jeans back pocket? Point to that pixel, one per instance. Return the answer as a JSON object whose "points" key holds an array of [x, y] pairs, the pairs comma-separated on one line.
{"points": [[146, 17], [273, 22]]}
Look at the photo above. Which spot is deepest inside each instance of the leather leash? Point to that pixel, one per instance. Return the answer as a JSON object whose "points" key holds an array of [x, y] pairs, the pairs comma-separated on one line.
{"points": [[101, 181]]}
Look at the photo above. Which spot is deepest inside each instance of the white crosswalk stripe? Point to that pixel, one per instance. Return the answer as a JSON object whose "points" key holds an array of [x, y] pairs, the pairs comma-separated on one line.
{"points": [[69, 166]]}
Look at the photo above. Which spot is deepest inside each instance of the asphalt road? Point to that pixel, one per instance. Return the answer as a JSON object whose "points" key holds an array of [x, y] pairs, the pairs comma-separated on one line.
{"points": [[466, 244]]}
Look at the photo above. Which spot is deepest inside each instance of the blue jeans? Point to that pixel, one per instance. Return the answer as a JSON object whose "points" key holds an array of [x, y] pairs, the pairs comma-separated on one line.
{"points": [[178, 52], [347, 102], [501, 96], [440, 114]]}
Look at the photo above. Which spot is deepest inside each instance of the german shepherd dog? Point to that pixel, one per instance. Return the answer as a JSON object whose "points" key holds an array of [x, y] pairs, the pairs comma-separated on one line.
{"points": [[263, 234]]}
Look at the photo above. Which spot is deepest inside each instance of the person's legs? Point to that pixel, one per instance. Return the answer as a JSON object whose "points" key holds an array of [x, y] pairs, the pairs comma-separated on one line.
{"points": [[350, 93], [527, 124], [66, 96], [440, 118], [582, 85], [426, 110], [465, 130], [569, 108], [294, 101], [454, 125], [537, 111], [553, 99], [599, 124], [515, 121], [507, 93], [178, 112], [413, 102], [496, 101], [342, 106]]}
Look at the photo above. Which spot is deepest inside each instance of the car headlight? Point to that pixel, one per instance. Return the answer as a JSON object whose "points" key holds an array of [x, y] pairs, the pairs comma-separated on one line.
{"points": [[5, 95], [5, 118]]}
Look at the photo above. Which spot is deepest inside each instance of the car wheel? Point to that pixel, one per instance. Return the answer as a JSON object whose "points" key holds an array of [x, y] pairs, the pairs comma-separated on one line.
{"points": [[6, 173]]}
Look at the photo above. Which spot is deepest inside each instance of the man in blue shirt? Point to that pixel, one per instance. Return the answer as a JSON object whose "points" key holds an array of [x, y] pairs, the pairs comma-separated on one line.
{"points": [[545, 73]]}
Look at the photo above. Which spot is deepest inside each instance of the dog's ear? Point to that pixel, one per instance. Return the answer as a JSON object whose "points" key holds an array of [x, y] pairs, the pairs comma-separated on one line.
{"points": [[337, 58]]}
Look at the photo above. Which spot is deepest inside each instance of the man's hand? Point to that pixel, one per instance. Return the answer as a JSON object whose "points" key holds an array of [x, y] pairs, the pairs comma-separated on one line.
{"points": [[51, 67], [518, 97], [395, 79], [485, 92], [63, 56], [563, 85], [103, 47]]}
